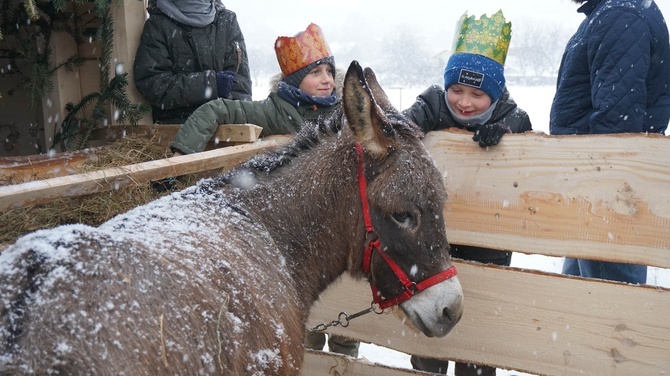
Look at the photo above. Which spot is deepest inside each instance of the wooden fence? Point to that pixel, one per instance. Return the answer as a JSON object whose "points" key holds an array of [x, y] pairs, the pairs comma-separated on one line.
{"points": [[599, 197]]}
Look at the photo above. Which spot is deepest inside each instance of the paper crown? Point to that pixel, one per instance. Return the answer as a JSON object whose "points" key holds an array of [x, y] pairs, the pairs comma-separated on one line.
{"points": [[294, 53], [486, 36]]}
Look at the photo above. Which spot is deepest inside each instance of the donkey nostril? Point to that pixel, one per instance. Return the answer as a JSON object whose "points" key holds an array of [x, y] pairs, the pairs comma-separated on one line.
{"points": [[446, 312], [452, 316]]}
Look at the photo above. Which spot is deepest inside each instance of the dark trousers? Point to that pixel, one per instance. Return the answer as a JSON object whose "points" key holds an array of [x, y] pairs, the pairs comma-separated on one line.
{"points": [[337, 344], [464, 369], [440, 366]]}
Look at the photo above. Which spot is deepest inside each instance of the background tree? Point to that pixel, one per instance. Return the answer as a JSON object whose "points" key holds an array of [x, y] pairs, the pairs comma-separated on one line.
{"points": [[536, 51], [26, 28], [405, 63]]}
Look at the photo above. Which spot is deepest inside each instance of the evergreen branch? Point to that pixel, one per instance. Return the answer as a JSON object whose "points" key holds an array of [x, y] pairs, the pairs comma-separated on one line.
{"points": [[73, 62], [75, 109], [106, 38], [31, 9], [32, 59]]}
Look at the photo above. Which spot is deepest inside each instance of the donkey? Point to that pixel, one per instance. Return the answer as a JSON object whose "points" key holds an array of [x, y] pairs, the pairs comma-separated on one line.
{"points": [[219, 278]]}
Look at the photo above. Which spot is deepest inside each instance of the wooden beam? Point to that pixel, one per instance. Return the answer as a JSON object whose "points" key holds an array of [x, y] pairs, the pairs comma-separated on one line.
{"points": [[604, 197], [532, 322], [321, 363], [224, 135], [66, 87], [38, 192], [89, 73], [44, 166], [129, 17]]}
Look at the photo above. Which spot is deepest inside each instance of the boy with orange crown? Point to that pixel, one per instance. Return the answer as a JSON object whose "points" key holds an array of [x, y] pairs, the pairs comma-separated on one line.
{"points": [[304, 91], [475, 98]]}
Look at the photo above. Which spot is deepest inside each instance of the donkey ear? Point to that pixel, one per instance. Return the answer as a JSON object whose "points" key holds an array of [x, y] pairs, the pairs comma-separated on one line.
{"points": [[378, 94], [364, 103]]}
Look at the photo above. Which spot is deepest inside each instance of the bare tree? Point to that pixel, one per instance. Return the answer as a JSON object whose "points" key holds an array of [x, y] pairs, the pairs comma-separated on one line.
{"points": [[536, 50], [405, 63]]}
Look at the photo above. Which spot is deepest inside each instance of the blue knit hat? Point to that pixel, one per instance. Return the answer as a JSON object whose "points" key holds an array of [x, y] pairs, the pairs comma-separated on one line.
{"points": [[477, 71]]}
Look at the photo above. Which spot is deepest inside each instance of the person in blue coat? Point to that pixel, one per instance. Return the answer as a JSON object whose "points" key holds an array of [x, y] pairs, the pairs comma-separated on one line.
{"points": [[614, 77]]}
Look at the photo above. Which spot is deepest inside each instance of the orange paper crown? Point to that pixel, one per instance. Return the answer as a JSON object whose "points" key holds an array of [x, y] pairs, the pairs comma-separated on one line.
{"points": [[294, 53]]}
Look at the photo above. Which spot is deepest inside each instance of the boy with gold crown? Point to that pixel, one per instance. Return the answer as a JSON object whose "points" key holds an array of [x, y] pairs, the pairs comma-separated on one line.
{"points": [[304, 91], [475, 98]]}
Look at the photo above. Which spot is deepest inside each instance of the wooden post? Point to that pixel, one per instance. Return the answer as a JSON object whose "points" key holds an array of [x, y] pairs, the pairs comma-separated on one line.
{"points": [[129, 17], [66, 87]]}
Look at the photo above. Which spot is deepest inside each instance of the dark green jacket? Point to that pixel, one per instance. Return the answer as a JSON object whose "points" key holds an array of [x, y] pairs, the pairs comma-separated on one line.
{"points": [[430, 112], [175, 65], [273, 114]]}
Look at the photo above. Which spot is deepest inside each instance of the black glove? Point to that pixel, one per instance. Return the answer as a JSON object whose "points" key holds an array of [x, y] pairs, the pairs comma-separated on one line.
{"points": [[164, 185], [489, 134], [224, 83]]}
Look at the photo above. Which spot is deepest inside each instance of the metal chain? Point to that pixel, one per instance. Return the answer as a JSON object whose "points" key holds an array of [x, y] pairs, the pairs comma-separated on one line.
{"points": [[343, 318]]}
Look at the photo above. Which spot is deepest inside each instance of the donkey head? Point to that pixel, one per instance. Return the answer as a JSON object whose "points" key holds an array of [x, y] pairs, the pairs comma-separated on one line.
{"points": [[407, 242]]}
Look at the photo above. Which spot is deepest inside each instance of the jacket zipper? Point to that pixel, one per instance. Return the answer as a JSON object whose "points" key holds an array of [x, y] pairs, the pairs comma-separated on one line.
{"points": [[239, 56]]}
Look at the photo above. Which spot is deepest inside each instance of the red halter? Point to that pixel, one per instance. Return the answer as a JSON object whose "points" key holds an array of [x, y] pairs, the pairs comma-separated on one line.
{"points": [[374, 244]]}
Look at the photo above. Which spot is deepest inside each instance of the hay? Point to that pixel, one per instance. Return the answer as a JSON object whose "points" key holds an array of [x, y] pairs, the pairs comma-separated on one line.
{"points": [[96, 208]]}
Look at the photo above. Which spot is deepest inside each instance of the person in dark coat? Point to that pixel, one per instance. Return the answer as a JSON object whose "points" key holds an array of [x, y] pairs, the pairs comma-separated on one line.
{"points": [[475, 98], [614, 77], [190, 52]]}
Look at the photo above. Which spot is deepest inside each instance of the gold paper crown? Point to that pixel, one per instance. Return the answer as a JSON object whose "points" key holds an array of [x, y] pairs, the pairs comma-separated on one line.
{"points": [[294, 53], [489, 37]]}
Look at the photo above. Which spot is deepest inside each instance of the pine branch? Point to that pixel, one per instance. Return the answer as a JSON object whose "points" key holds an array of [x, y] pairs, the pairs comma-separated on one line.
{"points": [[31, 9], [32, 60], [106, 37]]}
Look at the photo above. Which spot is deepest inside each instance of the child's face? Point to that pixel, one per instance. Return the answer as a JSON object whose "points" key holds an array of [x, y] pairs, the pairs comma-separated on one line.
{"points": [[467, 101], [319, 81]]}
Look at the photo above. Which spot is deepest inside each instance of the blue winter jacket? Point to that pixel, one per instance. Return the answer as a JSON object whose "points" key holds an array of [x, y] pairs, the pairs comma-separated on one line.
{"points": [[615, 73]]}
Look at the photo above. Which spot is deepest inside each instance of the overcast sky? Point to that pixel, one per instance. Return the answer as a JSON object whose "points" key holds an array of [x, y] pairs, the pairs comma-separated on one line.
{"points": [[263, 20]]}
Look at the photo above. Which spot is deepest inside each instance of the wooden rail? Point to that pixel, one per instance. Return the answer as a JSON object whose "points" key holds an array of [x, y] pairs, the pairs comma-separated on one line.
{"points": [[41, 191], [599, 197], [225, 134]]}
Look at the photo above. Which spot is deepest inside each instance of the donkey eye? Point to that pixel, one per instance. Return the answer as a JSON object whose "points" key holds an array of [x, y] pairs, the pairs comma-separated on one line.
{"points": [[404, 219]]}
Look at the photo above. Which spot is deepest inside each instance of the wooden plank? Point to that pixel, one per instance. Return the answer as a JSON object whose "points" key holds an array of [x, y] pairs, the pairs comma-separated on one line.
{"points": [[165, 133], [128, 17], [89, 73], [44, 166], [50, 165], [604, 197], [532, 322], [66, 86], [37, 192], [325, 363]]}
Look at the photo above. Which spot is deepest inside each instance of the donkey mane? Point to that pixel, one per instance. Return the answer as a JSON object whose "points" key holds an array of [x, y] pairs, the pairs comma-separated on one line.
{"points": [[311, 135]]}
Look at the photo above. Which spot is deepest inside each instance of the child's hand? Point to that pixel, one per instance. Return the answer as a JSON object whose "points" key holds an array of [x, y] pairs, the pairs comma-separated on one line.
{"points": [[224, 83], [489, 134]]}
